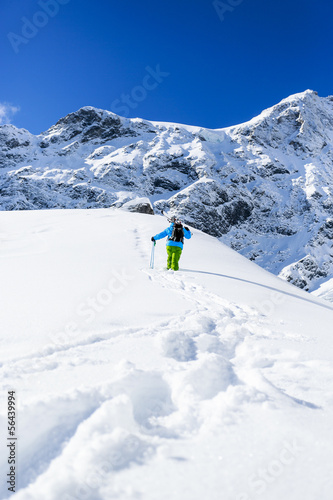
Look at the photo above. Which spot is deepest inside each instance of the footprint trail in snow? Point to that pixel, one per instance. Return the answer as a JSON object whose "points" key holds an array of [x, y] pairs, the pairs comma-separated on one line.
{"points": [[175, 391]]}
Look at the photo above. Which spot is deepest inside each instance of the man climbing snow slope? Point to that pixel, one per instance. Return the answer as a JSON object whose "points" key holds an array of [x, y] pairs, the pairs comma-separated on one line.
{"points": [[176, 233]]}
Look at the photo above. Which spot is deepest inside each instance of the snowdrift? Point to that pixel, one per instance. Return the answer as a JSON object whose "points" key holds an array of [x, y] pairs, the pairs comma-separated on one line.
{"points": [[212, 382]]}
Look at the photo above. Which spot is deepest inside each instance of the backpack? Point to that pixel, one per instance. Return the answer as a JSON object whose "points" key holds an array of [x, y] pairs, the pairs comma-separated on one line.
{"points": [[177, 232]]}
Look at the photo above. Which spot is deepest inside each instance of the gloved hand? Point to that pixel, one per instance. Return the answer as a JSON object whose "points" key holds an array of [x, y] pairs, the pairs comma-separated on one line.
{"points": [[152, 238], [185, 227]]}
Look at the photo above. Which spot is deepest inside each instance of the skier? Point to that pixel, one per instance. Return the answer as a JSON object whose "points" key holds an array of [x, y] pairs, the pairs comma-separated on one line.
{"points": [[174, 245]]}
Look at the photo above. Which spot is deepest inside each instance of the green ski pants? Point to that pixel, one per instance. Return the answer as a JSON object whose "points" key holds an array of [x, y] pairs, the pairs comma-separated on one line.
{"points": [[174, 254]]}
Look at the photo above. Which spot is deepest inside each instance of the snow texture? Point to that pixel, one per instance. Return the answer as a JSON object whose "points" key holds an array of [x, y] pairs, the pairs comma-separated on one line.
{"points": [[145, 384]]}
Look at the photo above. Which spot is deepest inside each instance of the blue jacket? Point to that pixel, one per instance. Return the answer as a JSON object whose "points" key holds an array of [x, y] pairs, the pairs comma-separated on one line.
{"points": [[168, 232]]}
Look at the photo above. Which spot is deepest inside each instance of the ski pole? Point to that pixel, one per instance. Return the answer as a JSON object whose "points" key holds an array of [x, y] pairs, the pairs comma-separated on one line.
{"points": [[152, 255]]}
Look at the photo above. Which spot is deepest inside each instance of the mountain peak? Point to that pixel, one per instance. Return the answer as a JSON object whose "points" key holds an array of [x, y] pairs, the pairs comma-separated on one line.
{"points": [[84, 116], [87, 124], [301, 95]]}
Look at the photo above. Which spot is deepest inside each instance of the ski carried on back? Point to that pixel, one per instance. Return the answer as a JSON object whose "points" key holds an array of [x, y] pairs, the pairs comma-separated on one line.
{"points": [[176, 233]]}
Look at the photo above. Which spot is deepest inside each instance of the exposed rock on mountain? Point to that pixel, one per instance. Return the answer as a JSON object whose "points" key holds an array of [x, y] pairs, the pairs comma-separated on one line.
{"points": [[264, 186]]}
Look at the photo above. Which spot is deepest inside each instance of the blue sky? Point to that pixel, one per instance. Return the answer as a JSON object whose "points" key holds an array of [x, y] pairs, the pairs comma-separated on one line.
{"points": [[188, 61]]}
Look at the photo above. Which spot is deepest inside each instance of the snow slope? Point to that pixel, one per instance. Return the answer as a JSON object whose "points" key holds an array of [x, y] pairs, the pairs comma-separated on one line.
{"points": [[212, 382]]}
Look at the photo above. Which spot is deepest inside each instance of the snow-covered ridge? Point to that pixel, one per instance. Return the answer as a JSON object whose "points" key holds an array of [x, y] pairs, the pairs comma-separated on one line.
{"points": [[264, 186]]}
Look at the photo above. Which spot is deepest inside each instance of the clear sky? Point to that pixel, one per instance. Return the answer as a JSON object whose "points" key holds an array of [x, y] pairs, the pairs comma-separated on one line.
{"points": [[197, 62]]}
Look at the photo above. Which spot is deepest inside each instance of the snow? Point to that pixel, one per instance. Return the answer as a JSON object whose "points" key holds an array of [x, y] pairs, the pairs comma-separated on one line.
{"points": [[211, 382], [265, 179], [325, 290]]}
